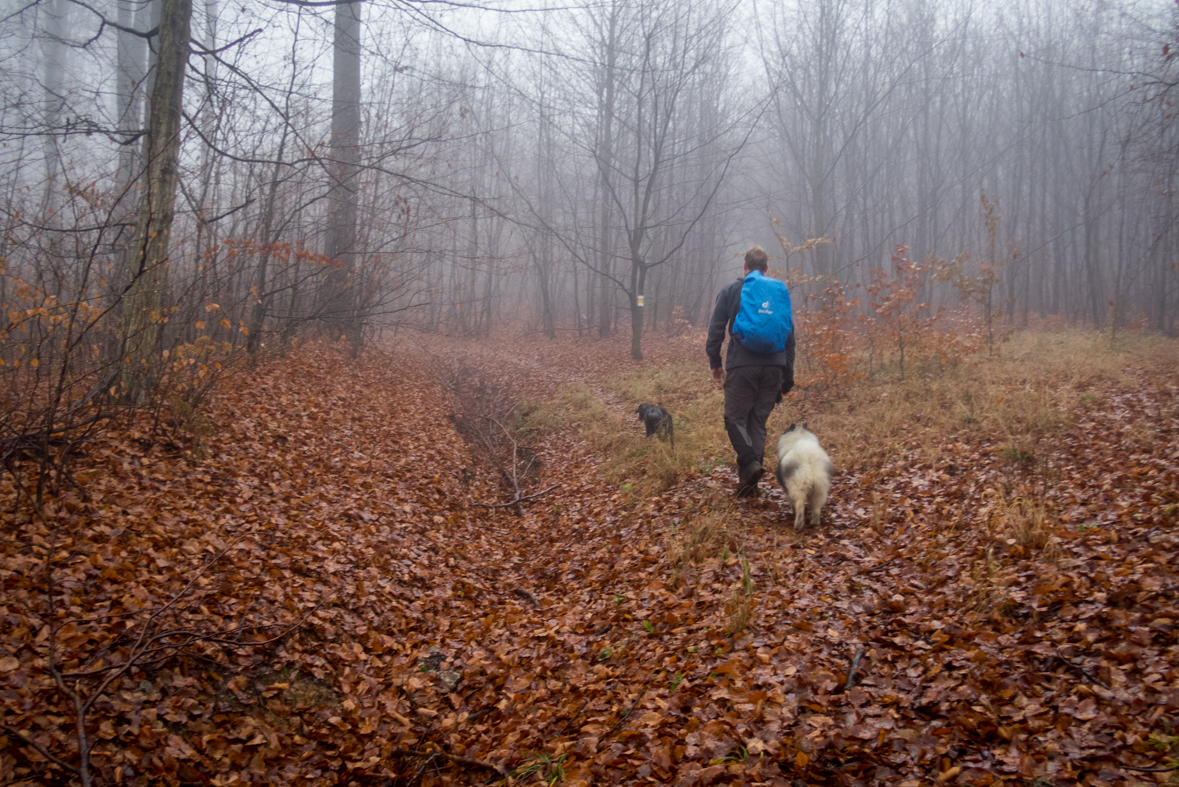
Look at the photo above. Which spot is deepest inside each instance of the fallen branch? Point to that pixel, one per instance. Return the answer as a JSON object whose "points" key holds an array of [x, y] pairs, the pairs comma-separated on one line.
{"points": [[150, 646], [481, 712], [522, 593], [453, 758], [515, 477], [25, 737], [1172, 769], [1089, 676], [518, 500], [851, 673]]}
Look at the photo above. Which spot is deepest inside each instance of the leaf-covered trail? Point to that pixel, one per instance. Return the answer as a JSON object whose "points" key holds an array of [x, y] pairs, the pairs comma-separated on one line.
{"points": [[441, 640], [976, 658]]}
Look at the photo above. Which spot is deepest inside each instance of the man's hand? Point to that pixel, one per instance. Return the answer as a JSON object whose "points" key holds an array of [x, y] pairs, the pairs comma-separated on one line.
{"points": [[718, 375]]}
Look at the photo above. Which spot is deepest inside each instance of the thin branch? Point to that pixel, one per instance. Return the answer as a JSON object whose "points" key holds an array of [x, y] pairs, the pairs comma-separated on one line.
{"points": [[453, 758], [200, 50], [515, 479], [572, 718], [626, 715], [1089, 676], [141, 646], [20, 11], [20, 736], [523, 499], [1172, 769], [150, 34]]}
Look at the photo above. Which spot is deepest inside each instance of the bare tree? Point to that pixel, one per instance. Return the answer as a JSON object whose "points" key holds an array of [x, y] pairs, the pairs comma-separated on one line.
{"points": [[340, 240], [148, 276]]}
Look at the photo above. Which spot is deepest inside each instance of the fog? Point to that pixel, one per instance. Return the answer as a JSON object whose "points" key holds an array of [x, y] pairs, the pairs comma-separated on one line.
{"points": [[594, 168]]}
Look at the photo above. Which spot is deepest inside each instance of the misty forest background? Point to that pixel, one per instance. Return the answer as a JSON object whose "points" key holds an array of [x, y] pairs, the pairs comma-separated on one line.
{"points": [[455, 554], [179, 180]]}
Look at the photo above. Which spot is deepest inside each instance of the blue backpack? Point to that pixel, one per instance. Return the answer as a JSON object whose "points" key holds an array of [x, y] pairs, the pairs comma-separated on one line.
{"points": [[764, 322]]}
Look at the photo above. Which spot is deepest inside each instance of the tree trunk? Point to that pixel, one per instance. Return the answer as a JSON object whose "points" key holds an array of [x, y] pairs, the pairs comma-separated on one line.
{"points": [[148, 274], [132, 52], [54, 51], [340, 241], [605, 162], [260, 295], [638, 280]]}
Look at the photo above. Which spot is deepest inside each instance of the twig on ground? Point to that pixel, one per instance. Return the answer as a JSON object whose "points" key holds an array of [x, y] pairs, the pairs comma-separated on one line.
{"points": [[481, 712], [426, 762], [572, 718], [453, 758], [1173, 769], [149, 647], [625, 716], [851, 673], [17, 735], [1089, 676], [515, 477], [518, 500], [522, 593]]}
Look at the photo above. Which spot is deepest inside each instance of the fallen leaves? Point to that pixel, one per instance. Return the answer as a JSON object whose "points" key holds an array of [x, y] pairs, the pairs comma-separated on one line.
{"points": [[428, 638]]}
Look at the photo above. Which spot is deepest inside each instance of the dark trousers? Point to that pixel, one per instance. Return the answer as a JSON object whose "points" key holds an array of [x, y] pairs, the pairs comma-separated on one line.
{"points": [[750, 394]]}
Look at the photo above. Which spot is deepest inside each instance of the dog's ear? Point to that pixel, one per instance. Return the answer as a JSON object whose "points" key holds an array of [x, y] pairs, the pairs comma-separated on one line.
{"points": [[804, 426], [790, 428]]}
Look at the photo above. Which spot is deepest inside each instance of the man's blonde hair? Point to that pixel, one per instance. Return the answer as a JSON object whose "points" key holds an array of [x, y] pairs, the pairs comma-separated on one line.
{"points": [[756, 259]]}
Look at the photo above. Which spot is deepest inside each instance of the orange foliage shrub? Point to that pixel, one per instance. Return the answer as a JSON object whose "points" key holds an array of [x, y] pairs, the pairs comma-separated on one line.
{"points": [[831, 342], [840, 343]]}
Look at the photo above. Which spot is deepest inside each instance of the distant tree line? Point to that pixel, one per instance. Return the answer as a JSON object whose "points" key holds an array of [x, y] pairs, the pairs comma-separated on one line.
{"points": [[187, 180]]}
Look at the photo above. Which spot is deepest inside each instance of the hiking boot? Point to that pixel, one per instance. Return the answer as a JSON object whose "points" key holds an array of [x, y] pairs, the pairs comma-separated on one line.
{"points": [[748, 477]]}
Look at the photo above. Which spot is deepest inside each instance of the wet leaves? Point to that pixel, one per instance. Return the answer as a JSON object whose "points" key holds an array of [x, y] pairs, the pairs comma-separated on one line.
{"points": [[428, 639]]}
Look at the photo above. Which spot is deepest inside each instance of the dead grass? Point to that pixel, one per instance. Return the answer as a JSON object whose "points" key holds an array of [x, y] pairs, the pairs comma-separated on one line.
{"points": [[1021, 398], [1024, 394], [739, 609], [708, 534], [641, 466], [1027, 523], [675, 386], [990, 585], [695, 404], [1087, 357], [738, 612], [576, 407]]}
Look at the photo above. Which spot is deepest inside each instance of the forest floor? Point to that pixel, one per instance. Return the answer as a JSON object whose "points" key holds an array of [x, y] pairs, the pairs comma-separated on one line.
{"points": [[326, 578]]}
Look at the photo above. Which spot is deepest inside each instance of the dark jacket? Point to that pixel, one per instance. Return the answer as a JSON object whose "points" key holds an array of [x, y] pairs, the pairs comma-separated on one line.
{"points": [[728, 303]]}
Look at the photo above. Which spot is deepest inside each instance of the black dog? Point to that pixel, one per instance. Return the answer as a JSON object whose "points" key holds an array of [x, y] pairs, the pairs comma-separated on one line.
{"points": [[657, 420]]}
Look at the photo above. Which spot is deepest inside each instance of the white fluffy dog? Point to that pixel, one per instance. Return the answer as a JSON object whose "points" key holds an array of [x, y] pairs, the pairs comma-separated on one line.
{"points": [[804, 471]]}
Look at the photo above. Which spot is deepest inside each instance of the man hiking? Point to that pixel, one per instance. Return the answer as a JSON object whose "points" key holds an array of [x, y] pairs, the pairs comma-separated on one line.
{"points": [[759, 365]]}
